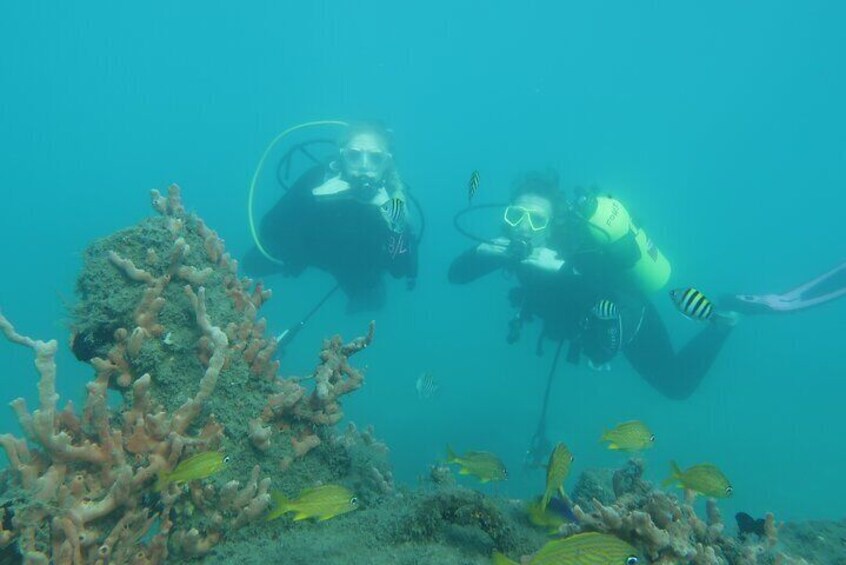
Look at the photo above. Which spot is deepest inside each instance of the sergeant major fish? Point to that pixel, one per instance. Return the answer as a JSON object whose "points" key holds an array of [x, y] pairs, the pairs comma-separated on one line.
{"points": [[427, 386], [394, 210], [692, 303], [472, 185], [605, 310]]}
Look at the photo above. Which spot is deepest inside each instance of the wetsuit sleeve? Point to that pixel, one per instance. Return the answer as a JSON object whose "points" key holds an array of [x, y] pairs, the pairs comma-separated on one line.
{"points": [[472, 265], [674, 374], [283, 228]]}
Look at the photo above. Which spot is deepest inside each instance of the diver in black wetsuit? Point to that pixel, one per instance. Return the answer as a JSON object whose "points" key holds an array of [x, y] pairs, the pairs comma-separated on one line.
{"points": [[348, 218], [583, 293]]}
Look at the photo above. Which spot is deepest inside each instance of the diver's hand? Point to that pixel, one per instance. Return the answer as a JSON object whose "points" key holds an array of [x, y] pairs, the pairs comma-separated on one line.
{"points": [[332, 188], [545, 259], [519, 249], [497, 248]]}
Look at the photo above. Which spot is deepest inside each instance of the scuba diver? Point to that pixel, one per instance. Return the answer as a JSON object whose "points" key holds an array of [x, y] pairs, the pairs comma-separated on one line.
{"points": [[585, 270], [347, 217]]}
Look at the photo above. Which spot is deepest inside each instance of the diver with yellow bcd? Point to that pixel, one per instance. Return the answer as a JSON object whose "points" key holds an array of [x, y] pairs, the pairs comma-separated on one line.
{"points": [[347, 214], [587, 271]]}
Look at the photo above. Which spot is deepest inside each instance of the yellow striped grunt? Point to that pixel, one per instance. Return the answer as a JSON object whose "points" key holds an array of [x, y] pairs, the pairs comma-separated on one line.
{"points": [[556, 472], [199, 466], [629, 436], [481, 464], [323, 502], [704, 479], [692, 303], [589, 548]]}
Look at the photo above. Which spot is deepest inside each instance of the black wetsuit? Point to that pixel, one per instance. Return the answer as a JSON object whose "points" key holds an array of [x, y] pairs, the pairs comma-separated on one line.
{"points": [[343, 236], [565, 301]]}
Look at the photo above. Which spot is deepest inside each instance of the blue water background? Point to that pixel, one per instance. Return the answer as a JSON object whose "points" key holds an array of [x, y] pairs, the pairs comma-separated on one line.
{"points": [[720, 125]]}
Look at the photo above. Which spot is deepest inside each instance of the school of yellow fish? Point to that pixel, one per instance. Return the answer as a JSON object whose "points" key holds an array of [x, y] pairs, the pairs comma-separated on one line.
{"points": [[553, 509], [548, 511]]}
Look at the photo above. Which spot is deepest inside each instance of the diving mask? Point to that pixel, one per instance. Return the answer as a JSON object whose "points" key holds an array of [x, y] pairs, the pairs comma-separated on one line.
{"points": [[365, 162], [536, 219]]}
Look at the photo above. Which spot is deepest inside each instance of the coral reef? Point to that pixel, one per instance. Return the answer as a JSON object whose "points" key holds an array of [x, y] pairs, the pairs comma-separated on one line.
{"points": [[182, 365], [374, 477], [668, 531], [173, 333]]}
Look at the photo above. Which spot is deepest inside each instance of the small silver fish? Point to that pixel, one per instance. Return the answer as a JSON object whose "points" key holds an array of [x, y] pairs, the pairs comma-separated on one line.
{"points": [[472, 185], [427, 386]]}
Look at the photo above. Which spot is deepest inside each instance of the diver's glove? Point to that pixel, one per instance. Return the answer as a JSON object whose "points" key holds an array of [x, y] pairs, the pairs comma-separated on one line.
{"points": [[411, 283], [496, 248], [333, 187], [545, 259]]}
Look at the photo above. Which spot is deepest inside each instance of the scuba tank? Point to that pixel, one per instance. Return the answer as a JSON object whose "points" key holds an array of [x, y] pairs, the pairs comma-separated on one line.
{"points": [[608, 222]]}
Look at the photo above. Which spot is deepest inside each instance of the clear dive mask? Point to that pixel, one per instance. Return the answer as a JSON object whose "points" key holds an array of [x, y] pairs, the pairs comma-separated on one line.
{"points": [[515, 215], [365, 162]]}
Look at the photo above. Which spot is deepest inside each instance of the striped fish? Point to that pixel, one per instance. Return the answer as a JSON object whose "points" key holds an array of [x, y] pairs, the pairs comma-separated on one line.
{"points": [[589, 548], [394, 210], [605, 310], [483, 465], [629, 436], [692, 303], [472, 185], [556, 472], [427, 386]]}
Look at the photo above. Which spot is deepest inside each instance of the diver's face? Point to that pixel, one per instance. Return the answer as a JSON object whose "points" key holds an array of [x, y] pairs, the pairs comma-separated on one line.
{"points": [[365, 158], [528, 218]]}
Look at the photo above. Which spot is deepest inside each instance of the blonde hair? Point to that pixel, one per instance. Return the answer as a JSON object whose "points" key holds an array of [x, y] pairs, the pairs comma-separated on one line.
{"points": [[374, 129], [393, 182]]}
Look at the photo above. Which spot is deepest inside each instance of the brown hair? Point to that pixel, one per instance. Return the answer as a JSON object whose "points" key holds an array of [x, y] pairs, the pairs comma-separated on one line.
{"points": [[543, 184]]}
